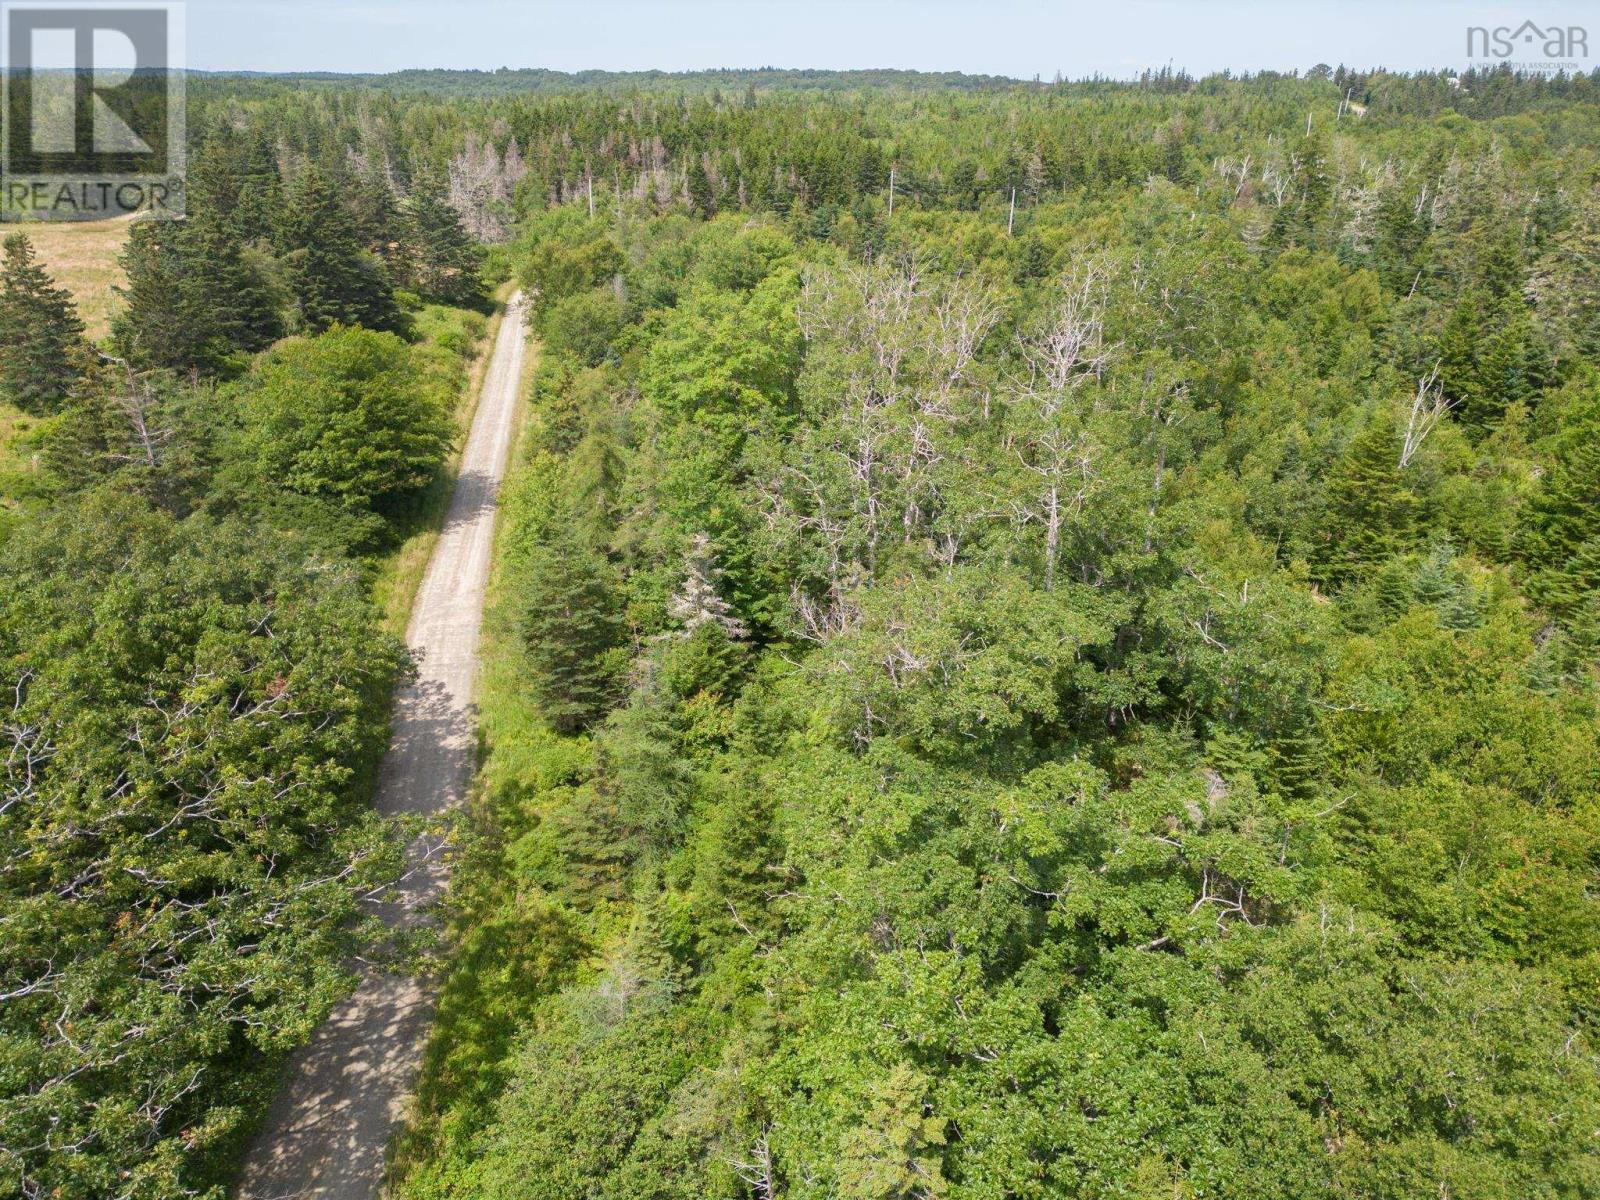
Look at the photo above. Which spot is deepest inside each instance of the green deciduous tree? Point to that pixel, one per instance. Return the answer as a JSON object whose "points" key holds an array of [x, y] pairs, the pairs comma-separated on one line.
{"points": [[342, 418], [193, 712]]}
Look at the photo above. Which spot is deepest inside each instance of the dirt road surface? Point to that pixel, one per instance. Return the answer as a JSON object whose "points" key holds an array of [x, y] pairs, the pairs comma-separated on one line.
{"points": [[326, 1134]]}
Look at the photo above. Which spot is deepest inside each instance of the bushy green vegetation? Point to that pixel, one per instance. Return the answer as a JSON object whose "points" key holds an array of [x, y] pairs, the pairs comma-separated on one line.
{"points": [[192, 713], [1104, 711], [342, 417]]}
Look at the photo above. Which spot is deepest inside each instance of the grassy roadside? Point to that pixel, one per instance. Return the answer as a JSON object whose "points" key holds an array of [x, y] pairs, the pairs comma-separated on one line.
{"points": [[399, 573], [505, 947], [509, 720]]}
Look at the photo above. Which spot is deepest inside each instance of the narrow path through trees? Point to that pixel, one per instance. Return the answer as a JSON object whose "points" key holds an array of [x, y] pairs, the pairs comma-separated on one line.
{"points": [[326, 1134]]}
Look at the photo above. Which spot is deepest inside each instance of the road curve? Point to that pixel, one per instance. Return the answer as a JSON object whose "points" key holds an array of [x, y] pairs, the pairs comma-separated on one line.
{"points": [[325, 1136]]}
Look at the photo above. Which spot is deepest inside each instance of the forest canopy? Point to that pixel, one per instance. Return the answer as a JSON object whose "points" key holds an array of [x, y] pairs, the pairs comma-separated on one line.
{"points": [[1088, 699], [1044, 640]]}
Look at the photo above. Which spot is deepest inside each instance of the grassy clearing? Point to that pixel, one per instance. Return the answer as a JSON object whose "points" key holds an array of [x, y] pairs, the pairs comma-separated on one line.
{"points": [[447, 335], [82, 257], [19, 469]]}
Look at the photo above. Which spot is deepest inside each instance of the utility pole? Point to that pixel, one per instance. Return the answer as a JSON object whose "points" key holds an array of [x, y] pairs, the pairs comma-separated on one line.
{"points": [[891, 189], [1011, 217]]}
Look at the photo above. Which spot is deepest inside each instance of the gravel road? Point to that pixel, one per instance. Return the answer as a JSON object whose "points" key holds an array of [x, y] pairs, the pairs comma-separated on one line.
{"points": [[326, 1134]]}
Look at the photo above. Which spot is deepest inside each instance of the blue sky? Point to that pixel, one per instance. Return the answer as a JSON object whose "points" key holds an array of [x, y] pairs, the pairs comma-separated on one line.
{"points": [[1010, 37]]}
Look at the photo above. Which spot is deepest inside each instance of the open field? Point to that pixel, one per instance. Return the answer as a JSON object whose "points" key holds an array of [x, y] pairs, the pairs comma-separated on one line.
{"points": [[82, 257]]}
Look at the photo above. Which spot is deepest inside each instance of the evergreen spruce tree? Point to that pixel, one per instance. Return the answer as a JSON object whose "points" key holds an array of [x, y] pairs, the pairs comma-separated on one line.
{"points": [[1460, 344], [1370, 508], [734, 872], [193, 301], [260, 199], [41, 347], [245, 308], [379, 224], [1401, 231], [1561, 529], [643, 767], [648, 968], [594, 472], [443, 259], [702, 198], [1515, 366], [1492, 356], [1440, 584], [595, 849], [234, 195], [333, 279], [164, 321], [234, 179], [569, 626]]}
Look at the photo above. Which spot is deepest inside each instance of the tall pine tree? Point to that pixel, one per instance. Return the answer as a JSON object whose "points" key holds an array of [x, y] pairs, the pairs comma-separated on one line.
{"points": [[194, 300], [41, 347], [333, 279], [444, 263]]}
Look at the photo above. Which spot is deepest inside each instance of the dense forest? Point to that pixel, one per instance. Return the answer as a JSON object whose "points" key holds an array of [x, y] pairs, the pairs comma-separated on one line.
{"points": [[1044, 640]]}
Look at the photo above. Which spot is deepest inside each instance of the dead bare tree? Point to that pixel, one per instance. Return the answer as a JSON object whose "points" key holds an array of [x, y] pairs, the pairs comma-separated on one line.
{"points": [[1053, 438], [1428, 407], [482, 183], [756, 1169], [141, 409]]}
